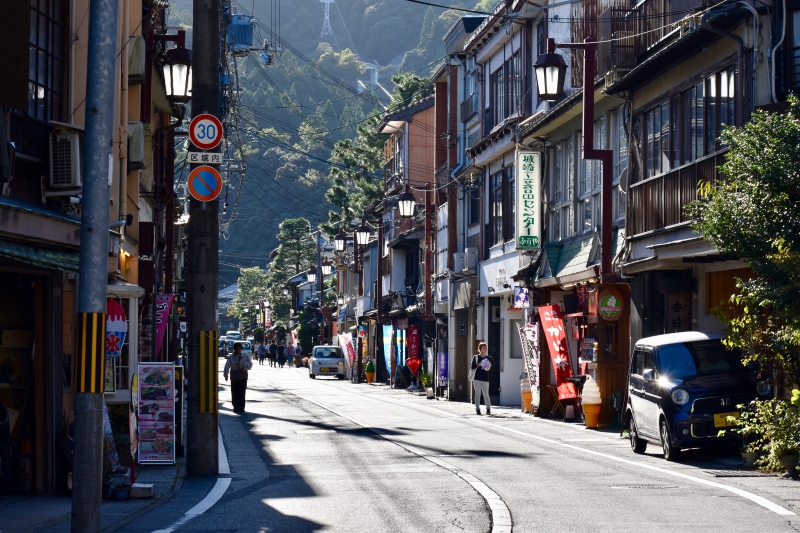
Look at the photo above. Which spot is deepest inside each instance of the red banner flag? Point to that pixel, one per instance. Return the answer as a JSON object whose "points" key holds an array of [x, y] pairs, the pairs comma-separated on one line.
{"points": [[553, 326]]}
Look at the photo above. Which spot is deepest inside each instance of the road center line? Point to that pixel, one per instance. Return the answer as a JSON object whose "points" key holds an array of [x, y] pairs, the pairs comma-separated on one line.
{"points": [[501, 515]]}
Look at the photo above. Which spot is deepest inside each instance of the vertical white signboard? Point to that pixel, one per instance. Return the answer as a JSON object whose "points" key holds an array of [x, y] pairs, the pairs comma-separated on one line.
{"points": [[528, 207]]}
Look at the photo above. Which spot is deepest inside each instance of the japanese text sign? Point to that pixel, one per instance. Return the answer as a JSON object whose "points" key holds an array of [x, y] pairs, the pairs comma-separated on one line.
{"points": [[528, 201], [556, 339]]}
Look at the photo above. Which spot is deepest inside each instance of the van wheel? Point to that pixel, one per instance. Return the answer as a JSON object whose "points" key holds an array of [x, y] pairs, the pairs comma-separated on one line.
{"points": [[637, 445], [671, 453]]}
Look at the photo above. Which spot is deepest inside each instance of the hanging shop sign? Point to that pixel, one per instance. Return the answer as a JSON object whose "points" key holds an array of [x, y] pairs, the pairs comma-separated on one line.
{"points": [[521, 300], [554, 334], [610, 304], [163, 309], [528, 201], [362, 332], [116, 328], [412, 341], [157, 413]]}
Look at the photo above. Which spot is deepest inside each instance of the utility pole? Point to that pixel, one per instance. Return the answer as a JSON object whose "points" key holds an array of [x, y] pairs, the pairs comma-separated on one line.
{"points": [[203, 263], [93, 278]]}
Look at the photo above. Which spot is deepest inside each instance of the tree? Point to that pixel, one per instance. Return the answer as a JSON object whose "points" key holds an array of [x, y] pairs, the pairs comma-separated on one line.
{"points": [[252, 290], [754, 214], [296, 253]]}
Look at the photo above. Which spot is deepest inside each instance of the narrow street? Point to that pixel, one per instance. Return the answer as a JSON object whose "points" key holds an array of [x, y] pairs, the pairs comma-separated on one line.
{"points": [[328, 455]]}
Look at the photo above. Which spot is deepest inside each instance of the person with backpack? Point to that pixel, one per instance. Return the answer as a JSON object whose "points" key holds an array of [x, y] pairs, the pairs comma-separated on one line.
{"points": [[482, 364]]}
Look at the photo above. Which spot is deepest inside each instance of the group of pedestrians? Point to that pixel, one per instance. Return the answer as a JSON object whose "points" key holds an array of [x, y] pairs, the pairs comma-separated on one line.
{"points": [[277, 354]]}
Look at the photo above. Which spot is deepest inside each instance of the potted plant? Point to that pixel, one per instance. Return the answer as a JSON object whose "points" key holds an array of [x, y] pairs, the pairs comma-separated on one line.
{"points": [[369, 370], [772, 428], [121, 491], [426, 380]]}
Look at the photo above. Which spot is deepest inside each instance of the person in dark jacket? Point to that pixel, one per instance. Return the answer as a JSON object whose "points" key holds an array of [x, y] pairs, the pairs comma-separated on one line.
{"points": [[482, 363], [281, 354], [273, 353]]}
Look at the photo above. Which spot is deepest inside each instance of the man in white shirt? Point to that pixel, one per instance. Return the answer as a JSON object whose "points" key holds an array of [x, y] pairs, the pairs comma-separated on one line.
{"points": [[238, 364]]}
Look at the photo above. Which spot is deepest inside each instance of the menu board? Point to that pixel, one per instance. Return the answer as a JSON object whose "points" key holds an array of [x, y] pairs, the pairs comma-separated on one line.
{"points": [[157, 413]]}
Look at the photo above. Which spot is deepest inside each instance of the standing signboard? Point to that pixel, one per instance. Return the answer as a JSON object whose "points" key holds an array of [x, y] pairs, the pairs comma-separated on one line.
{"points": [[157, 413], [554, 334], [528, 202]]}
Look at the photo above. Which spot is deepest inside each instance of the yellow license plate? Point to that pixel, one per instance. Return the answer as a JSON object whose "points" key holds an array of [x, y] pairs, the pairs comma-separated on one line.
{"points": [[721, 420]]}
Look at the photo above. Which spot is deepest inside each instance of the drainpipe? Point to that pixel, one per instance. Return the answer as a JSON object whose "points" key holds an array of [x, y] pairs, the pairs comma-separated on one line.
{"points": [[739, 60], [123, 130], [774, 50]]}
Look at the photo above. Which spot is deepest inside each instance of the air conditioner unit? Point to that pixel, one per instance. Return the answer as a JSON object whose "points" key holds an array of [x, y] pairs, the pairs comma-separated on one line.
{"points": [[135, 146], [470, 259], [66, 166], [136, 60], [458, 261]]}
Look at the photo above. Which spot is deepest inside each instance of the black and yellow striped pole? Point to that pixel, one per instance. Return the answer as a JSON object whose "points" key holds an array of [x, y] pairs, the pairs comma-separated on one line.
{"points": [[90, 352], [209, 372]]}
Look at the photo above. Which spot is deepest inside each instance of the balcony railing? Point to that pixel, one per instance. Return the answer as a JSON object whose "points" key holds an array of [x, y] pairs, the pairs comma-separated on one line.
{"points": [[625, 35], [660, 202], [469, 107], [788, 70]]}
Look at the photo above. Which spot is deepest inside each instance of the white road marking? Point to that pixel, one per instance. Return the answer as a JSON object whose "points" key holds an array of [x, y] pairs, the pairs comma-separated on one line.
{"points": [[207, 503], [759, 500], [212, 497], [313, 431], [224, 467], [763, 502], [501, 515]]}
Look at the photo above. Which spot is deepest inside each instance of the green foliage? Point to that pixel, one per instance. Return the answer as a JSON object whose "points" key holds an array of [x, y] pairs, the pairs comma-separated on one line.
{"points": [[296, 253], [304, 332], [425, 378], [429, 51], [754, 214], [252, 289], [771, 427], [370, 367]]}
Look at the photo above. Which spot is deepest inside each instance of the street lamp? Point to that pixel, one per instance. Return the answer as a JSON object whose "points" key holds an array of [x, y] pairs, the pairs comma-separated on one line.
{"points": [[312, 274], [286, 291], [177, 70], [340, 300], [340, 241], [327, 268], [406, 202], [363, 234], [550, 71]]}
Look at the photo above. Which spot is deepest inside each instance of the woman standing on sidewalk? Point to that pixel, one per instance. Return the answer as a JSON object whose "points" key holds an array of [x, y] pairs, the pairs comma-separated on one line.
{"points": [[482, 364], [238, 364]]}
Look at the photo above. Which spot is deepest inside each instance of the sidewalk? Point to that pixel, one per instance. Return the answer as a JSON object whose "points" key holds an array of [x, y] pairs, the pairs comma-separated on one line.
{"points": [[53, 513]]}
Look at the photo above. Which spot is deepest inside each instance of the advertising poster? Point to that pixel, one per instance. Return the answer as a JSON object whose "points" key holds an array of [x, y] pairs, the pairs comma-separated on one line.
{"points": [[157, 413], [346, 342], [387, 346], [556, 339], [441, 369], [521, 300]]}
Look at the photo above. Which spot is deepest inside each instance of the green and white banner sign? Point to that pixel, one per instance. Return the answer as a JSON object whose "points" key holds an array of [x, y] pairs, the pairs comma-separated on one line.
{"points": [[529, 185]]}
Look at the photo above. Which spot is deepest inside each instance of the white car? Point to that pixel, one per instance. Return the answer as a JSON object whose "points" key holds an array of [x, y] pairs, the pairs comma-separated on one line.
{"points": [[326, 361], [233, 335], [247, 348]]}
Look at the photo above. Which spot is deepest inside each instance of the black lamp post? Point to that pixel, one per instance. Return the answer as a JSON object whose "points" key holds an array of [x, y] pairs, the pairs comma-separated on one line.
{"points": [[550, 73], [340, 241], [363, 234], [311, 274], [326, 268]]}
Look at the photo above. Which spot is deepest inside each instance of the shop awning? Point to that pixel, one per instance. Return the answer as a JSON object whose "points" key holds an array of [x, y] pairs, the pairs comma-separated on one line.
{"points": [[68, 262]]}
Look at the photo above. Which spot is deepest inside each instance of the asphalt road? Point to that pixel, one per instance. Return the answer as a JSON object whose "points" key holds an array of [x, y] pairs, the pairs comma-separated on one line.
{"points": [[328, 455]]}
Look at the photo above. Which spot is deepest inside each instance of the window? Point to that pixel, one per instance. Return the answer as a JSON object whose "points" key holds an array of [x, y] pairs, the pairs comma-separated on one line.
{"points": [[541, 38], [399, 150], [496, 207], [502, 193], [45, 61], [506, 84], [564, 158], [620, 150], [474, 205], [686, 127], [469, 78]]}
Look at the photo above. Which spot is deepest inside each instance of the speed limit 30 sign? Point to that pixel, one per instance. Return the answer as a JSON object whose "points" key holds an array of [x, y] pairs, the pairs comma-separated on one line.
{"points": [[205, 131]]}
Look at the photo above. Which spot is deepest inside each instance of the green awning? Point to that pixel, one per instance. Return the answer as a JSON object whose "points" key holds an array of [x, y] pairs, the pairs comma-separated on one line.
{"points": [[68, 262]]}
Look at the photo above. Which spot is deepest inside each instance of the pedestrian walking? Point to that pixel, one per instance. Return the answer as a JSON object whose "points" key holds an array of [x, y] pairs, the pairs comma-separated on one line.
{"points": [[281, 354], [482, 364], [261, 351], [273, 353], [238, 364]]}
